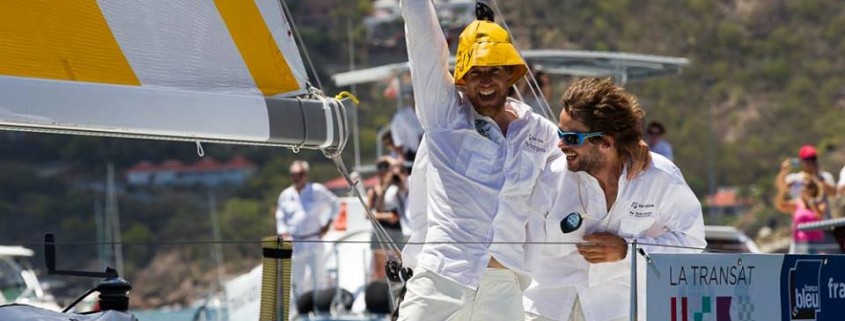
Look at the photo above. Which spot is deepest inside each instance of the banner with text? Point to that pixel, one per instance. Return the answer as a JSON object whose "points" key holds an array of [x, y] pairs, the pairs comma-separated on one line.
{"points": [[745, 287]]}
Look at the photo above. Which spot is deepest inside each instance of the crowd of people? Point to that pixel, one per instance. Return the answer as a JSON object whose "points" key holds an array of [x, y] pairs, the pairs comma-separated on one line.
{"points": [[505, 204]]}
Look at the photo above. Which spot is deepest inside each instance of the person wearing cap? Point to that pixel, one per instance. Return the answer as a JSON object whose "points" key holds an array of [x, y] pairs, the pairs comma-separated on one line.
{"points": [[810, 206], [606, 192], [300, 210], [483, 154], [808, 159], [795, 183]]}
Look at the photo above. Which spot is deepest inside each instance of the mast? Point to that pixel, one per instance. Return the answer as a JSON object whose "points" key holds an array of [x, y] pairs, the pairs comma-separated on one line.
{"points": [[113, 220]]}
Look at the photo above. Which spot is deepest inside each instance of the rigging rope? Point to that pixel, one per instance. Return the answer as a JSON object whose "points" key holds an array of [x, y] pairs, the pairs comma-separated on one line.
{"points": [[529, 77], [289, 17], [235, 242], [386, 243]]}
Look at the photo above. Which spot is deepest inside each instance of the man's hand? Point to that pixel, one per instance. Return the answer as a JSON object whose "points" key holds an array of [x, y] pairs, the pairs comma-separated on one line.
{"points": [[286, 237], [603, 247]]}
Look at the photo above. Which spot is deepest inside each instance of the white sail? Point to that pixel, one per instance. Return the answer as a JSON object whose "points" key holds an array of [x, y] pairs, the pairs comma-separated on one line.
{"points": [[205, 70]]}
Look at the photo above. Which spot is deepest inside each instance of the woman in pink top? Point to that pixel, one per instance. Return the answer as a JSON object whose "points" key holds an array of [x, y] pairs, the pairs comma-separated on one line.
{"points": [[809, 207]]}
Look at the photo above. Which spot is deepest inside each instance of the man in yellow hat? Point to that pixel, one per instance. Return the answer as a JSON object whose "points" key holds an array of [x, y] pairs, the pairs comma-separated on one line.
{"points": [[480, 158]]}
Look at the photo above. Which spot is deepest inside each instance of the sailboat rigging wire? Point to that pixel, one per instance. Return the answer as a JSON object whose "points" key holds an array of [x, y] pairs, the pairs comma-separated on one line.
{"points": [[232, 242], [529, 76], [382, 236], [336, 156], [289, 17]]}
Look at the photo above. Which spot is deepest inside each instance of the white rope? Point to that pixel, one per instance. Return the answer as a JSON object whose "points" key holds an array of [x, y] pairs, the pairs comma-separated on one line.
{"points": [[200, 151]]}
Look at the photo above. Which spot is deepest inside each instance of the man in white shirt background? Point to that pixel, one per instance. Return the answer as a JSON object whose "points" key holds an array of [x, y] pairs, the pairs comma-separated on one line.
{"points": [[405, 128], [300, 212], [482, 155], [618, 191]]}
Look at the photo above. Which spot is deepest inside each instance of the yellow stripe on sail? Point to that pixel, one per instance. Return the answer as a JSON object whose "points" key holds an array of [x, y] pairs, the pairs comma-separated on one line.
{"points": [[64, 40], [256, 44]]}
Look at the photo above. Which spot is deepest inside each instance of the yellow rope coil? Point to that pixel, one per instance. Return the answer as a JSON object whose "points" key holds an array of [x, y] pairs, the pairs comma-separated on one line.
{"points": [[344, 94]]}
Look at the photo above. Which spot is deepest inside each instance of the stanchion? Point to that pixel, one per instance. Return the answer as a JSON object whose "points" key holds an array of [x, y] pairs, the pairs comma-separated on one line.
{"points": [[633, 256], [276, 262]]}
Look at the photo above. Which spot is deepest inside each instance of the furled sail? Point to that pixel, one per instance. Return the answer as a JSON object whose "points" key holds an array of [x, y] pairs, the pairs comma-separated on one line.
{"points": [[198, 70]]}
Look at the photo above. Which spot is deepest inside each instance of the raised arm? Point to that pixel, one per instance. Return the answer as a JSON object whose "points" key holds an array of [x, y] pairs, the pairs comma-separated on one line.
{"points": [[428, 55], [782, 203]]}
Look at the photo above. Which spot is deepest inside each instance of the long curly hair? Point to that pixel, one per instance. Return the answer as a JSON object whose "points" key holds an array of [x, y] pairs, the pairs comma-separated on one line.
{"points": [[605, 107]]}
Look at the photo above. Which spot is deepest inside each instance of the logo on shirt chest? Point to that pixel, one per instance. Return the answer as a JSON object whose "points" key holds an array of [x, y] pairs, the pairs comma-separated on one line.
{"points": [[482, 127], [535, 144], [641, 209]]}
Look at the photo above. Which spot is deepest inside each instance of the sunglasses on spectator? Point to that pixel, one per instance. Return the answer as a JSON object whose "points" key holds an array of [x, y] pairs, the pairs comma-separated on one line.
{"points": [[297, 174], [576, 138]]}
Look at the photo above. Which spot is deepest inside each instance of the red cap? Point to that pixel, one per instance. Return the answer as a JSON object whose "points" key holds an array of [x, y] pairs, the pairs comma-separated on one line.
{"points": [[807, 151]]}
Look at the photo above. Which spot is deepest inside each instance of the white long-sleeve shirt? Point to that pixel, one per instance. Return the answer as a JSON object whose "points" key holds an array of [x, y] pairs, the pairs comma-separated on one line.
{"points": [[478, 182], [656, 207], [416, 207], [302, 214]]}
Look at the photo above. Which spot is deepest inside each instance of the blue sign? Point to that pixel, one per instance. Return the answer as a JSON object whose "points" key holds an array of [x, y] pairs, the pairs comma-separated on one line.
{"points": [[813, 288]]}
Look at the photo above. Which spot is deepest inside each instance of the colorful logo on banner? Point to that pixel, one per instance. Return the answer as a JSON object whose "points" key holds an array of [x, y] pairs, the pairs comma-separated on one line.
{"points": [[804, 289], [722, 311]]}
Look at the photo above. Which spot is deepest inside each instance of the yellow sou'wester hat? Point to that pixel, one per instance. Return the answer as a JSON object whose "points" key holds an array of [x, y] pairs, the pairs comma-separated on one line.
{"points": [[486, 44]]}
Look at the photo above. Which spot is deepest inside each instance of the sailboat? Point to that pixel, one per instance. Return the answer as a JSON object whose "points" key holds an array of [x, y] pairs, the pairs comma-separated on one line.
{"points": [[18, 281], [218, 71]]}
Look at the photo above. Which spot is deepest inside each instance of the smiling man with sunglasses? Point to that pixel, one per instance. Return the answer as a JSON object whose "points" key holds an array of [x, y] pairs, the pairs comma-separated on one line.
{"points": [[607, 191], [481, 156]]}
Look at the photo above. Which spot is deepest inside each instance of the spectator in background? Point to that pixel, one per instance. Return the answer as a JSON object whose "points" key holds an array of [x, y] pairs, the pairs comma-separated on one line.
{"points": [[531, 96], [299, 214], [392, 149], [809, 206], [386, 201], [809, 167], [654, 138], [405, 128]]}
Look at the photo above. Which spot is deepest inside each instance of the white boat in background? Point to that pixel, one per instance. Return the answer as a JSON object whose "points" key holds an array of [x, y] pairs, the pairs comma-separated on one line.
{"points": [[18, 282]]}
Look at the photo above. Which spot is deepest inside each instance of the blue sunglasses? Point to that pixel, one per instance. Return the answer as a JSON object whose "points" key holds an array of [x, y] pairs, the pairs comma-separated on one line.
{"points": [[576, 138]]}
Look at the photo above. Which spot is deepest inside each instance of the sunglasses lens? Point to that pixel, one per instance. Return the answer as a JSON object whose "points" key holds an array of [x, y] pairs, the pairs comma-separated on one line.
{"points": [[570, 139]]}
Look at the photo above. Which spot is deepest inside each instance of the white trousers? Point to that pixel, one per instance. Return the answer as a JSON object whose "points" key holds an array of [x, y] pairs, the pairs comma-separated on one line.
{"points": [[576, 315], [431, 297], [308, 272]]}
